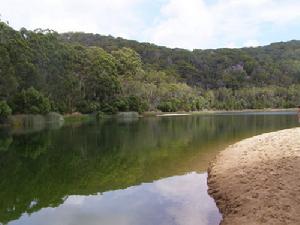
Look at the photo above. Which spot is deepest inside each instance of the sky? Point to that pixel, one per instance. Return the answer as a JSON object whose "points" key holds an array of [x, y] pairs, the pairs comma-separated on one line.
{"points": [[190, 24]]}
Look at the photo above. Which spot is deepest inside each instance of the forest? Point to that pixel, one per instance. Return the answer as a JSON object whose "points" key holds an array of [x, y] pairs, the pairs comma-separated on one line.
{"points": [[43, 71]]}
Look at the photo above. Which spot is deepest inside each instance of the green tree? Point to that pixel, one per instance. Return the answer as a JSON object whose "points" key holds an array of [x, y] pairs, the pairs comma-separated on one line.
{"points": [[8, 82], [31, 101], [128, 61], [5, 111], [101, 82], [137, 104]]}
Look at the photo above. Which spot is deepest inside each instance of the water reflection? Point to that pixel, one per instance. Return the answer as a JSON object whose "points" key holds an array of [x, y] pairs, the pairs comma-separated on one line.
{"points": [[41, 169], [178, 200]]}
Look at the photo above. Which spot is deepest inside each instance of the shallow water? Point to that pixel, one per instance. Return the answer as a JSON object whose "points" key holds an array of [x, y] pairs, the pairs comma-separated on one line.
{"points": [[134, 171]]}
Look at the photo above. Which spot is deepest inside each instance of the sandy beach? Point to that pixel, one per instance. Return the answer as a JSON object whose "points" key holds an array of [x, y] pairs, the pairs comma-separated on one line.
{"points": [[257, 181]]}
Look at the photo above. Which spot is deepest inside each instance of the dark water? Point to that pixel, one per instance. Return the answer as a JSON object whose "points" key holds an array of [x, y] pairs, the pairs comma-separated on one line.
{"points": [[123, 172]]}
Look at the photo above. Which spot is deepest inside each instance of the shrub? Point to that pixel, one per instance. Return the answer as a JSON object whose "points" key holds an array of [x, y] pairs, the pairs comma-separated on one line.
{"points": [[5, 110], [166, 106], [137, 104], [88, 107], [109, 109], [121, 104], [171, 105], [31, 101]]}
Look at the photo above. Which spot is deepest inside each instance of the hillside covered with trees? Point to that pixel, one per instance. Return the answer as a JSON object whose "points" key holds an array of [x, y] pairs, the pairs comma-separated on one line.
{"points": [[43, 71]]}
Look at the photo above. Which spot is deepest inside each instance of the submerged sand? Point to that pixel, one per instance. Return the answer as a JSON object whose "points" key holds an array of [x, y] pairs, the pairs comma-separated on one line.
{"points": [[257, 181]]}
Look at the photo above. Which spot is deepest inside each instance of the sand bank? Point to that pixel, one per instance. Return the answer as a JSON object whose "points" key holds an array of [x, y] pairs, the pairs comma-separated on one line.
{"points": [[257, 181], [173, 114]]}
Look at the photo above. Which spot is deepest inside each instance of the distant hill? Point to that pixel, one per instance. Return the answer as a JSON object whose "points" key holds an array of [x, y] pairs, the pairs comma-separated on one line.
{"points": [[275, 64], [42, 71]]}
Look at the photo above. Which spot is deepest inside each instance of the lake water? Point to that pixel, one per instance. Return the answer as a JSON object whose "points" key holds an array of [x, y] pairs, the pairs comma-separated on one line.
{"points": [[147, 171]]}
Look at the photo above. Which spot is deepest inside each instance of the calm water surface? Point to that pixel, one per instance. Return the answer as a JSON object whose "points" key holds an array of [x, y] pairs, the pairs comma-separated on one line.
{"points": [[121, 172]]}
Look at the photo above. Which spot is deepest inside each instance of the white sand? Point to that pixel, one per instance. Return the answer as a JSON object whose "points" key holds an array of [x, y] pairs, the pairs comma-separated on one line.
{"points": [[174, 114], [257, 181]]}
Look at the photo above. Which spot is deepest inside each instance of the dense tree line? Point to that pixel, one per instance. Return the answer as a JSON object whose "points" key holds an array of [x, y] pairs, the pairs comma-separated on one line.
{"points": [[275, 64], [42, 71]]}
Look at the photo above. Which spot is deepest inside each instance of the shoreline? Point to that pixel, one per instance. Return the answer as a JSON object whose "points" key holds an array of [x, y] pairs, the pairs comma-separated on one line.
{"points": [[78, 117], [257, 180], [204, 112]]}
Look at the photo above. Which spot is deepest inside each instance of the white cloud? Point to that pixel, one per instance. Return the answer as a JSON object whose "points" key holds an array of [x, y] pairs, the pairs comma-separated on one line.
{"points": [[191, 204], [195, 23], [231, 45], [116, 17], [186, 24], [251, 43], [183, 24]]}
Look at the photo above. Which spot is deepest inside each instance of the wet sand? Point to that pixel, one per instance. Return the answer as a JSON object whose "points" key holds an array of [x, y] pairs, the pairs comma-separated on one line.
{"points": [[257, 181]]}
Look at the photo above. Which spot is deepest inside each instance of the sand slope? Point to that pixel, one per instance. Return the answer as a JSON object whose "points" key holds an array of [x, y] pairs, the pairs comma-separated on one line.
{"points": [[257, 181]]}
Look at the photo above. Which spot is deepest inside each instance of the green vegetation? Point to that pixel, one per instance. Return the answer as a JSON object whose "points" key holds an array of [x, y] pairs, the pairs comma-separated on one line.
{"points": [[5, 110], [31, 101], [42, 71]]}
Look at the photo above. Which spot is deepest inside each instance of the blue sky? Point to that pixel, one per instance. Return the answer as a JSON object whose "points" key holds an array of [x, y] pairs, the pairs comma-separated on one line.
{"points": [[191, 24]]}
